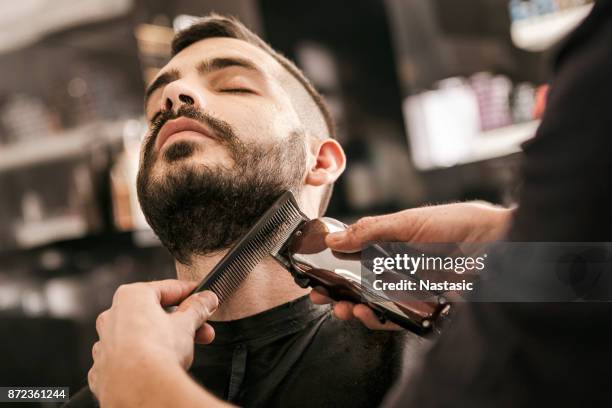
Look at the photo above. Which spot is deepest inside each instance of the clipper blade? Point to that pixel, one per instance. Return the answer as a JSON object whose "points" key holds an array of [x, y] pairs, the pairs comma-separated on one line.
{"points": [[267, 235]]}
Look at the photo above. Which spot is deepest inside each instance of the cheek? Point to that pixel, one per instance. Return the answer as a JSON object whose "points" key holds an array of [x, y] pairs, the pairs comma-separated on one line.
{"points": [[267, 123], [251, 121], [258, 119]]}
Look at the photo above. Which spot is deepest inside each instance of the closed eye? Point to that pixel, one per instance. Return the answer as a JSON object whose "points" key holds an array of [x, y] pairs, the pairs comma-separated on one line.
{"points": [[237, 90]]}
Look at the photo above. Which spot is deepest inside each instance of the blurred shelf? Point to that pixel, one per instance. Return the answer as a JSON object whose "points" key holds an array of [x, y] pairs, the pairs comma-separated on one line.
{"points": [[44, 150], [539, 33], [51, 229], [501, 142], [95, 243], [56, 147], [45, 17]]}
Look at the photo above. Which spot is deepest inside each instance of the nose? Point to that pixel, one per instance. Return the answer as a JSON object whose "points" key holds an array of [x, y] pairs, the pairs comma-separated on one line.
{"points": [[179, 93]]}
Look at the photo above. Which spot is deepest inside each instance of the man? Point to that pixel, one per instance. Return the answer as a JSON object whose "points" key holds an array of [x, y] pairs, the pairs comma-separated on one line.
{"points": [[232, 125], [493, 355]]}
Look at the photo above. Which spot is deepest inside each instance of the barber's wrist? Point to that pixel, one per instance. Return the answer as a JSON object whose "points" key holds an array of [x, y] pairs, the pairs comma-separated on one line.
{"points": [[138, 381], [160, 384]]}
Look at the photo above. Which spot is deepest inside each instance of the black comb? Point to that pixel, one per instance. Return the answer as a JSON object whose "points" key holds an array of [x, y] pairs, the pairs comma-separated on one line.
{"points": [[267, 235]]}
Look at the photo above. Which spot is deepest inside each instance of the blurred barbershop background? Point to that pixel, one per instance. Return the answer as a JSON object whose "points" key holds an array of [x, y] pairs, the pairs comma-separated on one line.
{"points": [[433, 99]]}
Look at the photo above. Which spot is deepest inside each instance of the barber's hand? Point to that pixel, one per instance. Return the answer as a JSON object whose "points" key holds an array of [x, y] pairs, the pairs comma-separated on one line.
{"points": [[136, 333], [458, 223], [345, 310]]}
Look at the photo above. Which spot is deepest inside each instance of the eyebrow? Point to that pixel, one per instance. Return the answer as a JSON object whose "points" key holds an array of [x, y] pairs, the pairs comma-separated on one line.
{"points": [[203, 68], [216, 64]]}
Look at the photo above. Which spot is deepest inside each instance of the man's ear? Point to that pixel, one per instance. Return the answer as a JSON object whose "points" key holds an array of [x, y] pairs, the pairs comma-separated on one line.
{"points": [[329, 163]]}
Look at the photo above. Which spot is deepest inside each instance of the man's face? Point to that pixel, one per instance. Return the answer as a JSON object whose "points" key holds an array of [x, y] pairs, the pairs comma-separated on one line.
{"points": [[224, 142]]}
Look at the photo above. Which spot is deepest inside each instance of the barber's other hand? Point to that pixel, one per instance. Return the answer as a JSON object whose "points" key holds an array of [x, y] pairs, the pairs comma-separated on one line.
{"points": [[136, 333], [460, 222]]}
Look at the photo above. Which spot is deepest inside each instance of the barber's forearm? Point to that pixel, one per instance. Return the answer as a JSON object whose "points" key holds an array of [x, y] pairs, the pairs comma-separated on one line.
{"points": [[155, 384]]}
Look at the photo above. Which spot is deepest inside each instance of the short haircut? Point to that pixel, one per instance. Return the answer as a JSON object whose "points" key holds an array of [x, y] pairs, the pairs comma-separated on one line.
{"points": [[312, 108]]}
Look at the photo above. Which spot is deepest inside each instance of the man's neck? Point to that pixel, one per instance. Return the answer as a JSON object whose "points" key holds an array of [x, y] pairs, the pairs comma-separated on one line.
{"points": [[267, 286]]}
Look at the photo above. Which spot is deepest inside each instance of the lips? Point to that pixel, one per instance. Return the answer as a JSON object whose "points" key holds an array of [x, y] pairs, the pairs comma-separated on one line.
{"points": [[175, 126]]}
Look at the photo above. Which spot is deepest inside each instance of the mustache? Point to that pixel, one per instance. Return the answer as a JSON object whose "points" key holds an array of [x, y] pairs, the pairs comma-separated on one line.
{"points": [[221, 129]]}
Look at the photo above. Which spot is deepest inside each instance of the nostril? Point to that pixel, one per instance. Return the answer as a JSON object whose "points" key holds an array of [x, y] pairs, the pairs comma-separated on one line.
{"points": [[186, 99], [168, 104]]}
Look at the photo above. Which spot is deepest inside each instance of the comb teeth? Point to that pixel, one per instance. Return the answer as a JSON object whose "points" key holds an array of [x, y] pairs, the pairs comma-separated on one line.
{"points": [[270, 232]]}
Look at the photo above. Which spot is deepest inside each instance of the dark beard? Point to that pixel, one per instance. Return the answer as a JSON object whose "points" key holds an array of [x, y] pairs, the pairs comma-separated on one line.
{"points": [[196, 210]]}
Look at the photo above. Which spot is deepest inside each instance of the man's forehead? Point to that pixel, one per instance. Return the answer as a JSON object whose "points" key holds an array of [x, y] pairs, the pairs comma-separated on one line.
{"points": [[221, 47]]}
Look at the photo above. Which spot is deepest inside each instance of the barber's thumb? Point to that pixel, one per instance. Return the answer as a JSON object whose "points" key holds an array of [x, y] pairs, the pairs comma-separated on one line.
{"points": [[342, 241], [353, 238], [198, 308]]}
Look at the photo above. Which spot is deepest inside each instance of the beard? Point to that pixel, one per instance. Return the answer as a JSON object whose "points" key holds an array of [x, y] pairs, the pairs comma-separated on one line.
{"points": [[197, 209]]}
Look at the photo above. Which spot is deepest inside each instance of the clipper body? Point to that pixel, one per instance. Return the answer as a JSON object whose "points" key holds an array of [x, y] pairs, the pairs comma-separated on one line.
{"points": [[313, 264]]}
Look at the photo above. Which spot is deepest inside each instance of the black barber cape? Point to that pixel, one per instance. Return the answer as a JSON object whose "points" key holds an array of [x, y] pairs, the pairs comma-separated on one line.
{"points": [[296, 355], [543, 354]]}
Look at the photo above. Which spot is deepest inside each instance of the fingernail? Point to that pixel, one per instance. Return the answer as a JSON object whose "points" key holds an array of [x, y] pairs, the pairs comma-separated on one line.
{"points": [[337, 236], [211, 298]]}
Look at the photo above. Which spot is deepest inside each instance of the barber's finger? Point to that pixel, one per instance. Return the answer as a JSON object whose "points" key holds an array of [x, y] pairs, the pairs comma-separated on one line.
{"points": [[369, 319], [205, 334], [318, 296], [343, 310], [171, 292], [197, 309], [95, 350], [367, 229], [91, 380], [100, 321]]}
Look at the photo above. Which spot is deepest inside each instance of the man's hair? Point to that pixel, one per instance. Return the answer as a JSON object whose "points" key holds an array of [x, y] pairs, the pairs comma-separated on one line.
{"points": [[215, 25]]}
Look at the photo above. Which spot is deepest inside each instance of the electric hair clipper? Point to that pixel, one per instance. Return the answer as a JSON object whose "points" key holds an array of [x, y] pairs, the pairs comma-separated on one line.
{"points": [[298, 244]]}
